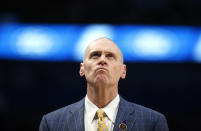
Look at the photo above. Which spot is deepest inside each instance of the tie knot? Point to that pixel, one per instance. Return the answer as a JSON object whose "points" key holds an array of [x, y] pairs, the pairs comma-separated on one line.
{"points": [[100, 113]]}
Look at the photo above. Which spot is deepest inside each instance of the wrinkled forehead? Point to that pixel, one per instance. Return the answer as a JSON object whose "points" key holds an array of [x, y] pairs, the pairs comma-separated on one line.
{"points": [[105, 45]]}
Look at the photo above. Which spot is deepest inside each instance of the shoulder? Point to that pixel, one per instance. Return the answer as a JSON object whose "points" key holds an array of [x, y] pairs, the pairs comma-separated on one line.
{"points": [[59, 118], [64, 112], [142, 111], [145, 110], [145, 117]]}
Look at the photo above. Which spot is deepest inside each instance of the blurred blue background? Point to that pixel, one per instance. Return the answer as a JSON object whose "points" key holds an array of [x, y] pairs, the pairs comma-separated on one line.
{"points": [[42, 44], [67, 42]]}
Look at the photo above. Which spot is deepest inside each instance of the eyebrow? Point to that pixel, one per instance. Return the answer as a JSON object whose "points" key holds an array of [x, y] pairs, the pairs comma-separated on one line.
{"points": [[93, 53], [100, 52]]}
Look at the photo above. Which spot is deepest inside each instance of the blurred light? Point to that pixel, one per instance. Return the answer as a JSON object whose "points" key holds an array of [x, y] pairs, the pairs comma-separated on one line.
{"points": [[151, 44], [33, 41], [197, 50], [68, 42], [91, 33]]}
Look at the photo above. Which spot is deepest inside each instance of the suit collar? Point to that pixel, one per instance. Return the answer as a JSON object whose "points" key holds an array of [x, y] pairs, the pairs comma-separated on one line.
{"points": [[77, 111], [125, 114]]}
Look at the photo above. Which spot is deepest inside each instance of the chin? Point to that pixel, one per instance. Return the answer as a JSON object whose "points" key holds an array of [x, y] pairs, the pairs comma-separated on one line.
{"points": [[101, 80]]}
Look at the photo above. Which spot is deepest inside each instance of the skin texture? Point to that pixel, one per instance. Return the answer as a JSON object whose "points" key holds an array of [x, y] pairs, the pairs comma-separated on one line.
{"points": [[102, 67]]}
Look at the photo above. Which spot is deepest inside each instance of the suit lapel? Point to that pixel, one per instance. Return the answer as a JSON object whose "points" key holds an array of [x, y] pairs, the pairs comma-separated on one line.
{"points": [[125, 114], [78, 114]]}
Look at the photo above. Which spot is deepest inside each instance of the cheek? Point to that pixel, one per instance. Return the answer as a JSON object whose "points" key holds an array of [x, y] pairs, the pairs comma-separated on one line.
{"points": [[87, 69], [117, 71]]}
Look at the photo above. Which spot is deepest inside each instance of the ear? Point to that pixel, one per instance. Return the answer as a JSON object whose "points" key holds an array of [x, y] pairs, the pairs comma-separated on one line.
{"points": [[81, 69], [123, 75]]}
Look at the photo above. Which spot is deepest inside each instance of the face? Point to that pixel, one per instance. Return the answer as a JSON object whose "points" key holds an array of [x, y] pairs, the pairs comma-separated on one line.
{"points": [[103, 63]]}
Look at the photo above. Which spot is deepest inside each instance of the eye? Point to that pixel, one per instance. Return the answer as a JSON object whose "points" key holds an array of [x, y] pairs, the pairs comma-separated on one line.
{"points": [[95, 55], [109, 55]]}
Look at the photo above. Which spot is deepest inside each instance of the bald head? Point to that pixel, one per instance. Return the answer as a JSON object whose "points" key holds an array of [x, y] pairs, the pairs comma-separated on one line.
{"points": [[105, 44]]}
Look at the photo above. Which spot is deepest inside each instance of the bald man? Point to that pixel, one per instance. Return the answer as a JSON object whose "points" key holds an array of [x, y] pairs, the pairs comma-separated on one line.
{"points": [[103, 109]]}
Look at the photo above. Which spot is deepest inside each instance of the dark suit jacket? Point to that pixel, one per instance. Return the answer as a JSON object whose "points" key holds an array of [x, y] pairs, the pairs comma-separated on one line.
{"points": [[138, 118]]}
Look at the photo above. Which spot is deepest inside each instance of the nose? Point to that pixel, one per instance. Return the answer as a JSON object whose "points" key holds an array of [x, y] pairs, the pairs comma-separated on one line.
{"points": [[102, 60]]}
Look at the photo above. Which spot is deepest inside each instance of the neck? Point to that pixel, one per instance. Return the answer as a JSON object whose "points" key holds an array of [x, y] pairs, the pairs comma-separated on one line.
{"points": [[101, 95]]}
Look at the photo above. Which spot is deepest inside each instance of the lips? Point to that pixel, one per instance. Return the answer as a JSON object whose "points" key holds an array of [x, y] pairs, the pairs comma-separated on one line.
{"points": [[101, 69]]}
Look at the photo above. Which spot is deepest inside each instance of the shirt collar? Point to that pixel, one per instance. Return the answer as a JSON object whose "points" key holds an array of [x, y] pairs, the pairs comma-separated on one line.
{"points": [[110, 110], [90, 109]]}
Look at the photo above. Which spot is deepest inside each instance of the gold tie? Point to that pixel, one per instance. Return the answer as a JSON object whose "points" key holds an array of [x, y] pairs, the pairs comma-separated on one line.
{"points": [[101, 123]]}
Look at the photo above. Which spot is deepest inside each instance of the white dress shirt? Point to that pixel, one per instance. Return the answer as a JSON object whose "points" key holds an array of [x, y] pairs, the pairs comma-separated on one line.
{"points": [[90, 121]]}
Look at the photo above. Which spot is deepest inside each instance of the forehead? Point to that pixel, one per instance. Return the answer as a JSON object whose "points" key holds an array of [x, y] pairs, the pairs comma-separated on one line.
{"points": [[103, 45]]}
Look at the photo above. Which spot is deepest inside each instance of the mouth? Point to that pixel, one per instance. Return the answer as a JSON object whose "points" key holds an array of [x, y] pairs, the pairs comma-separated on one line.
{"points": [[101, 70]]}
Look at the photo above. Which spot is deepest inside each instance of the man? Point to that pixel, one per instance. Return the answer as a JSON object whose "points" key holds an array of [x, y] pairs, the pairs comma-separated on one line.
{"points": [[103, 109]]}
